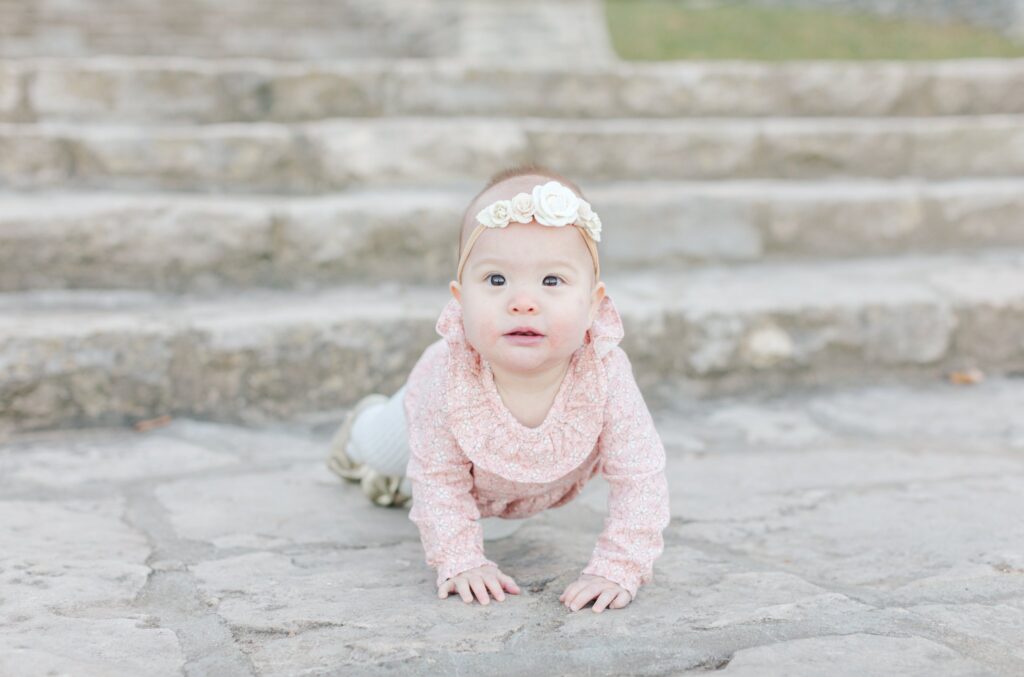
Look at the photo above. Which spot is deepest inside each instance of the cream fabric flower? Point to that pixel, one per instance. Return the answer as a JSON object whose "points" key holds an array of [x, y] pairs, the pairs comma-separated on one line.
{"points": [[496, 215], [551, 204], [522, 208], [589, 220], [554, 204]]}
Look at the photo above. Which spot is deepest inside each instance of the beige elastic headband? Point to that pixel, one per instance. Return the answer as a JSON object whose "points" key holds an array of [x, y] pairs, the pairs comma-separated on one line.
{"points": [[550, 204]]}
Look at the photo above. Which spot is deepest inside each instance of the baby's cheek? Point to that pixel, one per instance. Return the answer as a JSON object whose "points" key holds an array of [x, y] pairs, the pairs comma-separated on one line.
{"points": [[567, 335], [488, 331]]}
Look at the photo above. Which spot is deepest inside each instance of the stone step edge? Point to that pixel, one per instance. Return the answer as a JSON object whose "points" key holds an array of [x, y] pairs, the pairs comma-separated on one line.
{"points": [[119, 240], [773, 287], [310, 429], [76, 358], [305, 158], [972, 65], [853, 187], [631, 124], [252, 88]]}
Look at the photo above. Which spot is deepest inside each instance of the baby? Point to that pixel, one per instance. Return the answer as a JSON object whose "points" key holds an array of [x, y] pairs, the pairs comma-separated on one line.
{"points": [[524, 399]]}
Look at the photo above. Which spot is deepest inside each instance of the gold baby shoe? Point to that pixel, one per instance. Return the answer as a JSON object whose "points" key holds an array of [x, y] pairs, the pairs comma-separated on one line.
{"points": [[385, 490]]}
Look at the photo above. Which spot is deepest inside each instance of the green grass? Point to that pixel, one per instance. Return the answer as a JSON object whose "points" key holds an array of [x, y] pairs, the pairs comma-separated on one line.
{"points": [[656, 30]]}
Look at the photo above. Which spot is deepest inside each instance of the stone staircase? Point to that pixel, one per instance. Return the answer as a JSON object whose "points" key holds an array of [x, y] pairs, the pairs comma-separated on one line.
{"points": [[254, 239], [258, 242]]}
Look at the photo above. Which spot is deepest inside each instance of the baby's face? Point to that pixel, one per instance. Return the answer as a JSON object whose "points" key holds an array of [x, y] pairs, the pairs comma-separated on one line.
{"points": [[527, 275]]}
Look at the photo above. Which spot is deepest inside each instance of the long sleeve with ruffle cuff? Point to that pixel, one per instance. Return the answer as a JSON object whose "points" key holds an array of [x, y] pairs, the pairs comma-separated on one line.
{"points": [[443, 508], [446, 514], [633, 464]]}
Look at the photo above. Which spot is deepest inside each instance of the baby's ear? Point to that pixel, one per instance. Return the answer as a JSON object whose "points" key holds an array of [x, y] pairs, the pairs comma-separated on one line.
{"points": [[456, 290]]}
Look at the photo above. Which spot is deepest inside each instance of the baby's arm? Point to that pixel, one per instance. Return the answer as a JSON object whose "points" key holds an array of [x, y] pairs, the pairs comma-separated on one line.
{"points": [[442, 505], [633, 463]]}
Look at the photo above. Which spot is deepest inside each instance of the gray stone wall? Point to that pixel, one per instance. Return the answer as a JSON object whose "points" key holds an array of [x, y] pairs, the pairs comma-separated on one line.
{"points": [[539, 31], [1003, 15]]}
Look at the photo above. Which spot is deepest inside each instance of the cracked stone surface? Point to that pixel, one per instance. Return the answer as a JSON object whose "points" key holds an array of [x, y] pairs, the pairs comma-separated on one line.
{"points": [[857, 531], [902, 656]]}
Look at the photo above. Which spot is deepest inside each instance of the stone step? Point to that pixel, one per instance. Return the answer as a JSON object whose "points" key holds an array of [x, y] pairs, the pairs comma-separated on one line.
{"points": [[298, 29], [90, 357], [176, 243], [171, 90], [336, 154]]}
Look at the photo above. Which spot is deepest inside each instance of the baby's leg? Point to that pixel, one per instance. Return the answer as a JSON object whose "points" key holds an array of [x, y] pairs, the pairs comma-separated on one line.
{"points": [[380, 438]]}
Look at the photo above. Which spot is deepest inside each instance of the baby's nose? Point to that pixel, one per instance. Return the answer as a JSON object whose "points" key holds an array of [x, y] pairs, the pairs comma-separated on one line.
{"points": [[523, 305]]}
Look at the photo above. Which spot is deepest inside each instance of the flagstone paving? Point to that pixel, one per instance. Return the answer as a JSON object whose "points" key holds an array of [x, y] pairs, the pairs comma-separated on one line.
{"points": [[869, 530]]}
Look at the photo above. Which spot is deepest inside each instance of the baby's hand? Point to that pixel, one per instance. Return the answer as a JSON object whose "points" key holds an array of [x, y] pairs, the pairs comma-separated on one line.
{"points": [[588, 586], [481, 580]]}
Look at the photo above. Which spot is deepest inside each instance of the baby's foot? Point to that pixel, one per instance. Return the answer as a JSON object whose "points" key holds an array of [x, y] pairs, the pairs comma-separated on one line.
{"points": [[386, 490], [343, 466]]}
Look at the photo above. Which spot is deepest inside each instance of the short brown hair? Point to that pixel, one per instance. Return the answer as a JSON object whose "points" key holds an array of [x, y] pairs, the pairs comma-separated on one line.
{"points": [[525, 169]]}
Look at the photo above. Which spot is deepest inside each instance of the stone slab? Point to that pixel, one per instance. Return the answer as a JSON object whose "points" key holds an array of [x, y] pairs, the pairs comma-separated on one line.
{"points": [[105, 459], [232, 511], [69, 573], [866, 654], [206, 243], [337, 154], [172, 89], [86, 357], [797, 536]]}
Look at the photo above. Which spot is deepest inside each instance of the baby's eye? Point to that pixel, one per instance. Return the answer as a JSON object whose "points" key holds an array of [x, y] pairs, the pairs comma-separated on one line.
{"points": [[501, 280]]}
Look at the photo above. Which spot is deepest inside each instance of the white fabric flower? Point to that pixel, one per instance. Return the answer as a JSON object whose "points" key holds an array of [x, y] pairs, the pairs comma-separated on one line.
{"points": [[496, 215], [589, 220], [522, 208], [554, 204]]}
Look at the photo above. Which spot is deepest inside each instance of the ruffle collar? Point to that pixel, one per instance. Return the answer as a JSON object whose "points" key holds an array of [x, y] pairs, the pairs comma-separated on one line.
{"points": [[493, 439]]}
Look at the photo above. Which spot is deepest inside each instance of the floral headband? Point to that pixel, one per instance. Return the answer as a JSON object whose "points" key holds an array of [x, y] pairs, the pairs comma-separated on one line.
{"points": [[550, 204]]}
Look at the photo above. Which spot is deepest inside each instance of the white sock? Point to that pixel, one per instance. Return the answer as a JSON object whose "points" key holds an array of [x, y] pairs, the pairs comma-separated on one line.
{"points": [[380, 437], [354, 452]]}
